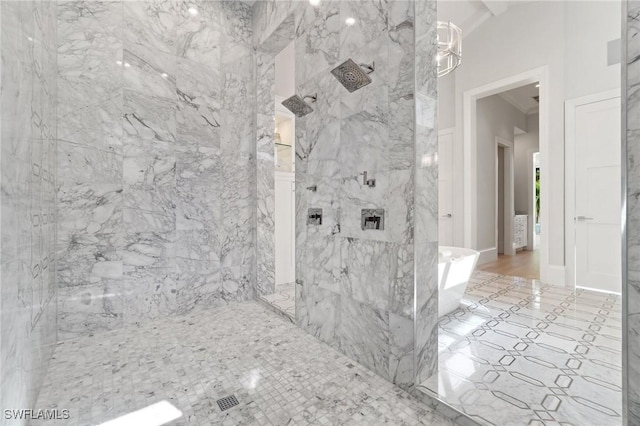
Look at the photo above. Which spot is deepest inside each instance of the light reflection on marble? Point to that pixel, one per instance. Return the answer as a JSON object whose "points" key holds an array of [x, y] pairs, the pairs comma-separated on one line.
{"points": [[520, 352]]}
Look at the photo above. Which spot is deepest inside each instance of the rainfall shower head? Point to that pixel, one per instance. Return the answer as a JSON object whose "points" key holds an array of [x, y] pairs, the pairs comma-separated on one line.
{"points": [[353, 76], [298, 106]]}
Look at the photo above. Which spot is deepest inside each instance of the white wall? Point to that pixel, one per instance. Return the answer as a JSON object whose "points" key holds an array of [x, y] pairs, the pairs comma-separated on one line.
{"points": [[446, 101], [570, 39], [495, 118], [524, 147], [285, 63]]}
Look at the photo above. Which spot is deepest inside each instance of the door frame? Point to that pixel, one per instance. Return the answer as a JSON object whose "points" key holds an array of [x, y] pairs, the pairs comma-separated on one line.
{"points": [[537, 75], [570, 107], [509, 199], [451, 131]]}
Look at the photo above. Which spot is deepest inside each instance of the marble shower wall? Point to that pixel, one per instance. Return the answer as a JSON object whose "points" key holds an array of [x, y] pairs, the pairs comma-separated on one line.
{"points": [[28, 199], [156, 160], [355, 288], [632, 88]]}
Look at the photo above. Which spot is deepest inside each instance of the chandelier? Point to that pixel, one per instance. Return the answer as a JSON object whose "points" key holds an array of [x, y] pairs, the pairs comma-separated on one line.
{"points": [[449, 55]]}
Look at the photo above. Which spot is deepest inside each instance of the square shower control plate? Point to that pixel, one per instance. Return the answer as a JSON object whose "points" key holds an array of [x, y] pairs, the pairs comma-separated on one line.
{"points": [[372, 219]]}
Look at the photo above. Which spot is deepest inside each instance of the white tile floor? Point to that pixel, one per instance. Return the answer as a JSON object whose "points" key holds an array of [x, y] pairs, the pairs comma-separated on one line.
{"points": [[280, 375], [523, 353], [283, 299]]}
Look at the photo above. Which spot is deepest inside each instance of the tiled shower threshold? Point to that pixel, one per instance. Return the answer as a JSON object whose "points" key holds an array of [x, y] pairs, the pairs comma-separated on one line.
{"points": [[282, 301], [523, 353]]}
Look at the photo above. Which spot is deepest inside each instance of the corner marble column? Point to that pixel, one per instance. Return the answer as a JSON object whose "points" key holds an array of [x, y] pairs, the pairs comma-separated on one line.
{"points": [[426, 193], [631, 85]]}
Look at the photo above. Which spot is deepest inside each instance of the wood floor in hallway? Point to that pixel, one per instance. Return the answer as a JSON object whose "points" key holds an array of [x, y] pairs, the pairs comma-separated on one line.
{"points": [[525, 264]]}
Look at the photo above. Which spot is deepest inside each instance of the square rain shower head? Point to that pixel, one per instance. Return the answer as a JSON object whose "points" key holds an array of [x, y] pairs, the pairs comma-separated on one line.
{"points": [[297, 105], [351, 75]]}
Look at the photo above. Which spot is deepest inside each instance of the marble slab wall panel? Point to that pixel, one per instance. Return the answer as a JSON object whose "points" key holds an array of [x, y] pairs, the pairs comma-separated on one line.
{"points": [[354, 288], [632, 89], [155, 160], [426, 193], [28, 201]]}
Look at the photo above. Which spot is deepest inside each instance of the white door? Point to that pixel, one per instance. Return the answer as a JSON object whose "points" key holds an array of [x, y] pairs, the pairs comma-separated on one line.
{"points": [[285, 227], [597, 195], [445, 188]]}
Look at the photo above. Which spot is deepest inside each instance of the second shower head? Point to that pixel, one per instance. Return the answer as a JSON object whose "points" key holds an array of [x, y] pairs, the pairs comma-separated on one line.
{"points": [[353, 76], [298, 105]]}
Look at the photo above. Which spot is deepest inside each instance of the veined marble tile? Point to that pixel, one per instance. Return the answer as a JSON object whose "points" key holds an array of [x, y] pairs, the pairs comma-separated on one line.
{"points": [[199, 37], [90, 28], [88, 259], [98, 125], [85, 80], [199, 106], [149, 239], [149, 293], [237, 235], [324, 267], [89, 309], [371, 22], [401, 352], [363, 334], [198, 244], [149, 175], [149, 72], [368, 270], [199, 284], [318, 312], [90, 196], [152, 24], [238, 283], [149, 117], [317, 40], [326, 109], [198, 185], [365, 146], [393, 193]]}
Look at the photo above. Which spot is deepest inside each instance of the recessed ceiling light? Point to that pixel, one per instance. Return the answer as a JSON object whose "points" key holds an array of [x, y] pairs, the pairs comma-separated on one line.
{"points": [[314, 3], [164, 75], [193, 11], [538, 85], [119, 63], [127, 65], [350, 21]]}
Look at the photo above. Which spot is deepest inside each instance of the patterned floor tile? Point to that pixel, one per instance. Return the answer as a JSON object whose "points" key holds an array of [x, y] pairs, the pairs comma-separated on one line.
{"points": [[519, 352]]}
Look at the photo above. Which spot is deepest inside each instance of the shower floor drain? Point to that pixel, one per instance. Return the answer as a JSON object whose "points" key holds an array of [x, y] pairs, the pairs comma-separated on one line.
{"points": [[227, 402]]}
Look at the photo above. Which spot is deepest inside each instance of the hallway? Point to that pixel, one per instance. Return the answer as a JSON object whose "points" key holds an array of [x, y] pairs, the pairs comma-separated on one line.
{"points": [[525, 264]]}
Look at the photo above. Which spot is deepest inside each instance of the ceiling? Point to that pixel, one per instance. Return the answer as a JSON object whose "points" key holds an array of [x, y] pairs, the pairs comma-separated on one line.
{"points": [[470, 14], [523, 98]]}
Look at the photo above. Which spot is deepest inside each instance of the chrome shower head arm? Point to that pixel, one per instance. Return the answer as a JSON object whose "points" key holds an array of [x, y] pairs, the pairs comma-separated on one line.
{"points": [[370, 67], [313, 97]]}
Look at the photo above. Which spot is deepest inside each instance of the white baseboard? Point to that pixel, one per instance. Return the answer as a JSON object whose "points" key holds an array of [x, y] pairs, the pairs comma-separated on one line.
{"points": [[488, 255], [554, 275]]}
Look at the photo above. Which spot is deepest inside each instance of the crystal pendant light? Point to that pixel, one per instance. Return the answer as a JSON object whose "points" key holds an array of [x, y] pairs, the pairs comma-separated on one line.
{"points": [[449, 55]]}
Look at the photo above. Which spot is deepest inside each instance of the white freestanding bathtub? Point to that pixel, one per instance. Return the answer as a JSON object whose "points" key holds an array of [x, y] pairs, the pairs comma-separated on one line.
{"points": [[455, 266]]}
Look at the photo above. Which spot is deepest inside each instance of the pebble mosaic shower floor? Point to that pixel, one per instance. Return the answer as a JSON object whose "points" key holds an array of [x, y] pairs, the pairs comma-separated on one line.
{"points": [[524, 353], [279, 374]]}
